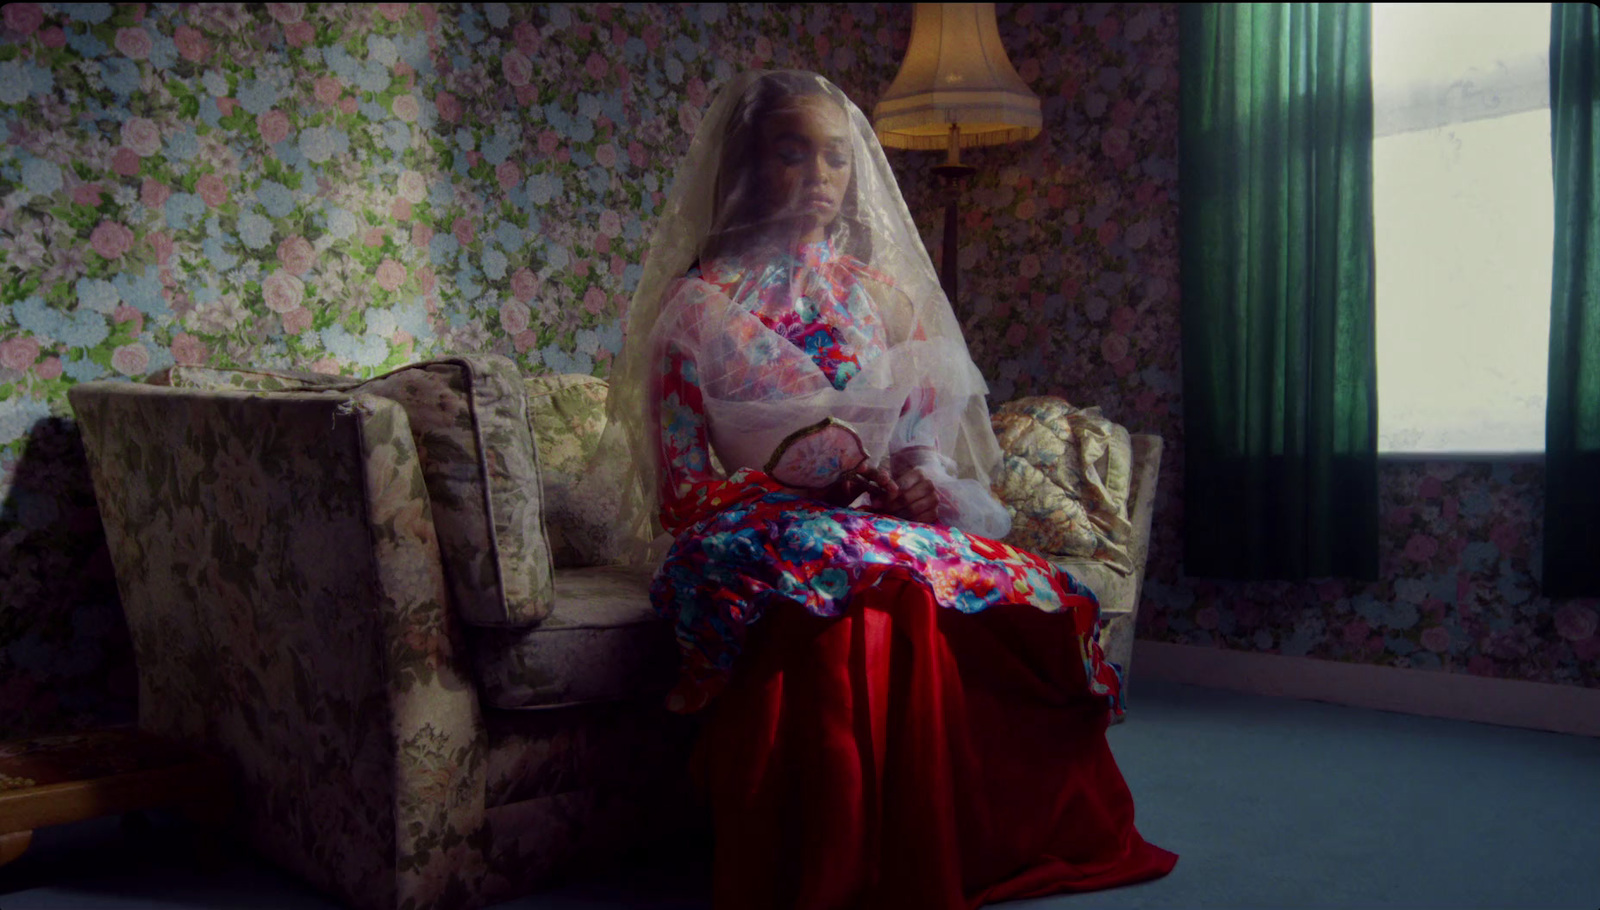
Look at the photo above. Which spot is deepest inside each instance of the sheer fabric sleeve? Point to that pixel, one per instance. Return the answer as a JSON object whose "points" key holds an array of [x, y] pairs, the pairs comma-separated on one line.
{"points": [[688, 485], [964, 503]]}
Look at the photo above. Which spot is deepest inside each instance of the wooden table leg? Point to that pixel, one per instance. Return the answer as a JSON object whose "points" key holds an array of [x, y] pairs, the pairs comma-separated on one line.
{"points": [[13, 844]]}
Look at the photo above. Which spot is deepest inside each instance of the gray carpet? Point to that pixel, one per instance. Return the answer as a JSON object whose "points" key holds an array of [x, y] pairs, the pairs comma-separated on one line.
{"points": [[1271, 803]]}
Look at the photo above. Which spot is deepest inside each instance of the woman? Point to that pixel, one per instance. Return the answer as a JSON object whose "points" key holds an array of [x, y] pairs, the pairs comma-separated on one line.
{"points": [[903, 712]]}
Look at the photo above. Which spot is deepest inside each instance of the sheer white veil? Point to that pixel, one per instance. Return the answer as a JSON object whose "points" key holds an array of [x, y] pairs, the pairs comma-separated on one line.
{"points": [[709, 213]]}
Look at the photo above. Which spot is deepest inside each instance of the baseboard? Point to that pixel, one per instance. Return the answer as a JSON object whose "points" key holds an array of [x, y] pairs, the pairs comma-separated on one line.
{"points": [[1512, 703]]}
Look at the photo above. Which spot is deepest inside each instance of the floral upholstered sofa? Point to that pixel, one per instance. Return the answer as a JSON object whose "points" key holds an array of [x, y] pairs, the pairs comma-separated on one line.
{"points": [[392, 606]]}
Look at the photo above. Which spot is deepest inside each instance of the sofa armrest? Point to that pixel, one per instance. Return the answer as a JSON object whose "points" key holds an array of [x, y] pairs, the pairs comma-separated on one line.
{"points": [[278, 568]]}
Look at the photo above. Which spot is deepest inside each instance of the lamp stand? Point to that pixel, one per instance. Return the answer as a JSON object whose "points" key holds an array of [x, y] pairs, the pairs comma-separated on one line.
{"points": [[951, 174]]}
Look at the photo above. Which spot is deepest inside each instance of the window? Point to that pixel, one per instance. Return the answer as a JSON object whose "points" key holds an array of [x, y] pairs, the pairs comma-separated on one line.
{"points": [[1463, 213]]}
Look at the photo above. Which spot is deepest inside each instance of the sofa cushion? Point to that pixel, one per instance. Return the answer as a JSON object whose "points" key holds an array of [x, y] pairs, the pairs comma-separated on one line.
{"points": [[469, 422], [567, 414], [1066, 478], [602, 641]]}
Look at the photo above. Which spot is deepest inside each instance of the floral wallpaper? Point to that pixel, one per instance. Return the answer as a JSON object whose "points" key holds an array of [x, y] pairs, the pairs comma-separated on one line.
{"points": [[350, 187]]}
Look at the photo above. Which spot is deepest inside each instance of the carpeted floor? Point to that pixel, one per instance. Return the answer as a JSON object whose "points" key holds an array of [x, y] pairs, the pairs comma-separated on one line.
{"points": [[1271, 803]]}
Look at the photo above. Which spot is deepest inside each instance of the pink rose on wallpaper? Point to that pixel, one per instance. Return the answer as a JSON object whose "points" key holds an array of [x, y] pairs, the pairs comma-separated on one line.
{"points": [[391, 275], [296, 255], [48, 368], [111, 239], [1108, 232], [421, 235], [1436, 639], [154, 194], [1421, 548], [426, 280], [299, 34], [1107, 29], [525, 341], [133, 42], [130, 359], [188, 350], [507, 174], [413, 187], [1114, 347], [86, 194], [524, 284], [18, 353], [526, 36], [463, 230], [52, 37], [213, 191], [1016, 334], [449, 107], [548, 141], [688, 118], [514, 317], [274, 126], [161, 245], [23, 18], [1031, 266], [606, 154], [327, 89], [192, 45], [394, 12], [296, 320], [595, 66], [516, 67], [282, 292], [1399, 516], [1575, 622], [610, 223], [226, 105], [1123, 319], [400, 210], [594, 300], [125, 313], [406, 108], [348, 105], [142, 136], [286, 13], [373, 238]]}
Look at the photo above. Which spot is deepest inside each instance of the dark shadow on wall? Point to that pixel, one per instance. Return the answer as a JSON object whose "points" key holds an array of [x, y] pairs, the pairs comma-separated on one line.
{"points": [[66, 660]]}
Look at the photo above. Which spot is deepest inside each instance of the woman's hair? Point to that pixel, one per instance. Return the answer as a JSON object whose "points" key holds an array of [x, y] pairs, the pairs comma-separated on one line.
{"points": [[739, 197]]}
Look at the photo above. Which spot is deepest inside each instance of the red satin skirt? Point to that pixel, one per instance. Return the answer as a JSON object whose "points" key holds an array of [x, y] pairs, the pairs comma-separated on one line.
{"points": [[908, 756]]}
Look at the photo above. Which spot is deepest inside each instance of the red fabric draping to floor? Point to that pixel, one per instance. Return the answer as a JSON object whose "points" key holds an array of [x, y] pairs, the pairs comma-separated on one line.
{"points": [[907, 756]]}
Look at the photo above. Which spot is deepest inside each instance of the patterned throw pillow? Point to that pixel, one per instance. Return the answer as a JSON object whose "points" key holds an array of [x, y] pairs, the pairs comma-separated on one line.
{"points": [[1065, 478], [469, 417], [582, 495], [469, 420]]}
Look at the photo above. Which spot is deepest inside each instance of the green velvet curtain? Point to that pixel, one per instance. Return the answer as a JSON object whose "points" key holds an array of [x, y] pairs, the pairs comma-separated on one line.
{"points": [[1572, 411], [1279, 354]]}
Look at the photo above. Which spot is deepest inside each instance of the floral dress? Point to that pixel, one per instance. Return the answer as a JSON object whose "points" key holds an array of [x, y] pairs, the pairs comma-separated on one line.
{"points": [[744, 543]]}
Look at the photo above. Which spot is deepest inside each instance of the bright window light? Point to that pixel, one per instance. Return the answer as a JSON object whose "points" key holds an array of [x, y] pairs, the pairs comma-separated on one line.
{"points": [[1463, 220]]}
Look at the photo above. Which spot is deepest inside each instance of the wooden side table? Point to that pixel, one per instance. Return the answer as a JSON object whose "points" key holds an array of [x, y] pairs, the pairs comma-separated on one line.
{"points": [[69, 777]]}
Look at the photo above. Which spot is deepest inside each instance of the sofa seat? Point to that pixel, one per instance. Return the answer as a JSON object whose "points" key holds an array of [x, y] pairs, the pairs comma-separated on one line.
{"points": [[601, 642]]}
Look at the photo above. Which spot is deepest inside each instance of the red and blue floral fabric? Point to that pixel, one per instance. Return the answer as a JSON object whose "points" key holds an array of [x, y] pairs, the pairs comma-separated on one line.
{"points": [[744, 543]]}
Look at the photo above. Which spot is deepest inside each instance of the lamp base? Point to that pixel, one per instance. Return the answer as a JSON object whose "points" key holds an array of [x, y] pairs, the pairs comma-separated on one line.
{"points": [[952, 175]]}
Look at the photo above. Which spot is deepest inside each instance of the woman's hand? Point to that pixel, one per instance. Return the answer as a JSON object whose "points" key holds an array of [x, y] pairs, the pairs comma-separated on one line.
{"points": [[916, 500]]}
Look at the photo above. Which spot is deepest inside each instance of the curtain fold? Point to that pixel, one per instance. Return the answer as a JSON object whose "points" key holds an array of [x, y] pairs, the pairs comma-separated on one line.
{"points": [[1572, 410], [1279, 352]]}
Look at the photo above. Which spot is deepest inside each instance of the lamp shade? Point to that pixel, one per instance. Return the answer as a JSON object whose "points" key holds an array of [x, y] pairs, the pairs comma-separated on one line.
{"points": [[956, 72]]}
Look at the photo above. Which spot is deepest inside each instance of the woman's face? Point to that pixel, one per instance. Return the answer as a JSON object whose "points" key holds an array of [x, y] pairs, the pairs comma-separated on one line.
{"points": [[805, 165]]}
